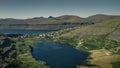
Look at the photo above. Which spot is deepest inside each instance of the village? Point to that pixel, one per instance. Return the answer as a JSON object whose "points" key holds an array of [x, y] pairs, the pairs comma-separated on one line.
{"points": [[41, 35]]}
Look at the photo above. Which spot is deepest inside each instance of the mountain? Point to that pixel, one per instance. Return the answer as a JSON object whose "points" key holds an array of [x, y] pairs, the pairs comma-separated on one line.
{"points": [[42, 20], [70, 18], [110, 28], [101, 18], [102, 40], [61, 22]]}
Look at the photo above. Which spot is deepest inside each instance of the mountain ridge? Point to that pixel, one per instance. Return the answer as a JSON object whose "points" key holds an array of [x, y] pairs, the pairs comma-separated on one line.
{"points": [[63, 18], [65, 21]]}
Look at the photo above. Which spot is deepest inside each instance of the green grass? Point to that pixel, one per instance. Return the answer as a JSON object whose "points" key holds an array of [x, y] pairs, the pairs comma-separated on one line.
{"points": [[110, 29], [66, 41], [116, 65], [28, 61], [24, 54], [102, 35]]}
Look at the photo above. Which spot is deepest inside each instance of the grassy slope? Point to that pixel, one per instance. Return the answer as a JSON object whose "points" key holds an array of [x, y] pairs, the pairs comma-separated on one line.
{"points": [[110, 28], [22, 52], [102, 40], [25, 56], [98, 18]]}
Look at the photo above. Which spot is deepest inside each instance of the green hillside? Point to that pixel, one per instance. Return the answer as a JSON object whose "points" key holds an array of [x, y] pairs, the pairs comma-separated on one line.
{"points": [[102, 40], [95, 36], [110, 28], [98, 18]]}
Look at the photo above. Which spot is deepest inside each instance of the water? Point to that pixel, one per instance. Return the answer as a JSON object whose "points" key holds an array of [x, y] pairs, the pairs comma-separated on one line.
{"points": [[59, 55], [54, 54], [22, 31]]}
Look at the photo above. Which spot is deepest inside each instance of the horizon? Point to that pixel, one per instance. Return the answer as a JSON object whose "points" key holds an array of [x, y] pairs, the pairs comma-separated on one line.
{"points": [[58, 16], [25, 9]]}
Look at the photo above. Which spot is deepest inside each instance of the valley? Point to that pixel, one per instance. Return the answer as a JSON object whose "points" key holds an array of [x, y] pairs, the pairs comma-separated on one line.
{"points": [[100, 37]]}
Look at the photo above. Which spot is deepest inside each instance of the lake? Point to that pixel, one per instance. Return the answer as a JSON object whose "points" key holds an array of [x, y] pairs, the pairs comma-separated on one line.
{"points": [[56, 55], [22, 31], [59, 55]]}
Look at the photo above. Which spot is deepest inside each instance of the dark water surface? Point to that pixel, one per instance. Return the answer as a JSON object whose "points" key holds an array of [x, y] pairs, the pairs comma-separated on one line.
{"points": [[22, 31], [54, 54], [59, 55]]}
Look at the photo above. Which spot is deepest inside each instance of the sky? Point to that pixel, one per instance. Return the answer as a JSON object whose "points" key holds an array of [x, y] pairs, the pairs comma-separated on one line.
{"points": [[23, 9]]}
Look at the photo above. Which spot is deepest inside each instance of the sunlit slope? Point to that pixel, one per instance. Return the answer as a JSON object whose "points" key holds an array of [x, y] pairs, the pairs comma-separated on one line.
{"points": [[99, 18], [109, 29]]}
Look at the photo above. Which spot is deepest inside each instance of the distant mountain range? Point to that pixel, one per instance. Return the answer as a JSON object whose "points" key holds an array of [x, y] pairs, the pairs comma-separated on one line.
{"points": [[62, 22]]}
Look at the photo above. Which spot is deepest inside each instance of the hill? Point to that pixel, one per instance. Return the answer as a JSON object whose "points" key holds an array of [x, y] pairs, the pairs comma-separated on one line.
{"points": [[42, 20], [102, 40], [98, 36], [98, 18], [110, 28], [53, 23]]}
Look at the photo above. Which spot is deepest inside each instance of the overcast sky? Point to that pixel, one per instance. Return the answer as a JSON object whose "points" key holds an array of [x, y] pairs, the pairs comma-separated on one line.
{"points": [[37, 8]]}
